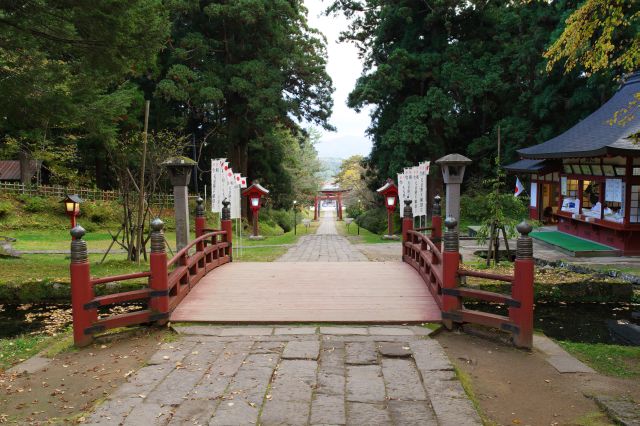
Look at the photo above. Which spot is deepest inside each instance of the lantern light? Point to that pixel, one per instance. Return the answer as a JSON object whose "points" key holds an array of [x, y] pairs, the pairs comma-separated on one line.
{"points": [[255, 201], [72, 207], [391, 201]]}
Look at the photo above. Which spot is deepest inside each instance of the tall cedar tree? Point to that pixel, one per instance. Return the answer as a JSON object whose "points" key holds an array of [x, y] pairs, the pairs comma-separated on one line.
{"points": [[65, 67], [443, 75], [238, 72]]}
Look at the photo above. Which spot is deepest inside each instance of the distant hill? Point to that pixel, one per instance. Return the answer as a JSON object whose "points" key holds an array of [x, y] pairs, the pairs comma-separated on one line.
{"points": [[330, 166]]}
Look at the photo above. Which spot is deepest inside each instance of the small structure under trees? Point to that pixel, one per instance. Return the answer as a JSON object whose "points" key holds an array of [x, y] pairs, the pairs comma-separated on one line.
{"points": [[588, 178]]}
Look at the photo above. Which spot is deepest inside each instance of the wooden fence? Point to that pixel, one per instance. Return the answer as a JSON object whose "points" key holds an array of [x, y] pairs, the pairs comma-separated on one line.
{"points": [[164, 200]]}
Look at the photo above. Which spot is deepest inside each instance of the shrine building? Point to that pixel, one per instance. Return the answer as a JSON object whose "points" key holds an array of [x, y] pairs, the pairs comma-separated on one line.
{"points": [[587, 180]]}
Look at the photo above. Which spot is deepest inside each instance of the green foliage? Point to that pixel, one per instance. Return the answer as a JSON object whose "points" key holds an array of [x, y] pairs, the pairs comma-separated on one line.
{"points": [[375, 220], [501, 210], [242, 76], [5, 209], [354, 210], [35, 204], [476, 208], [442, 77], [66, 68], [600, 34], [284, 219], [612, 360], [17, 349]]}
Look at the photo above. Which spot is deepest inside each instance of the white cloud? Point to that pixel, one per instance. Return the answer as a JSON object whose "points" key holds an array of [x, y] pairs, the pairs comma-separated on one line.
{"points": [[344, 67]]}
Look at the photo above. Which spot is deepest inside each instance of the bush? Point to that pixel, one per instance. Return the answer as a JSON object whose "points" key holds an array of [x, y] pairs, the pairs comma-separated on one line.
{"points": [[375, 220], [284, 219], [99, 212], [36, 204], [476, 208], [5, 209], [354, 210]]}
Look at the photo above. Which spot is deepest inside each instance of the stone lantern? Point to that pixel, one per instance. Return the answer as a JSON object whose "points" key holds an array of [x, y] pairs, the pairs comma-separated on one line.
{"points": [[453, 167], [180, 173]]}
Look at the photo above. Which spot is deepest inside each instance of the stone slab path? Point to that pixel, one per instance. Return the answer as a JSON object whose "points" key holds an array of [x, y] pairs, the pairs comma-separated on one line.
{"points": [[324, 246], [292, 376]]}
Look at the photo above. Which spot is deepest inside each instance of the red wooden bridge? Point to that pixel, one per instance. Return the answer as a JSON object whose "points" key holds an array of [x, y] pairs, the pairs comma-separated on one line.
{"points": [[194, 285]]}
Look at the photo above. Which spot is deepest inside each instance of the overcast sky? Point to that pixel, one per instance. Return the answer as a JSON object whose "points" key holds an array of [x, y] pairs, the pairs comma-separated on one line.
{"points": [[344, 67]]}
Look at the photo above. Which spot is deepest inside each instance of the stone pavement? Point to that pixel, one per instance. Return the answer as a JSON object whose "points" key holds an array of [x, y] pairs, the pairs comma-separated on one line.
{"points": [[292, 376], [323, 246]]}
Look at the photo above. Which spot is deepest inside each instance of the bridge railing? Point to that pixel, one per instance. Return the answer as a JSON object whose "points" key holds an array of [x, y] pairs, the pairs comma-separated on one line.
{"points": [[168, 281], [440, 269]]}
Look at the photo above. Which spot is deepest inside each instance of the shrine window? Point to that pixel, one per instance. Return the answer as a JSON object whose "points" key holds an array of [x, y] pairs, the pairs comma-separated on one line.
{"points": [[634, 204]]}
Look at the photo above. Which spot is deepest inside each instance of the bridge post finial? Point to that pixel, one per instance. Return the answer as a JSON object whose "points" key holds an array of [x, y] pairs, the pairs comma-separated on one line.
{"points": [[408, 210], [81, 288], [437, 209], [451, 242], [157, 236], [524, 245], [226, 210], [199, 207]]}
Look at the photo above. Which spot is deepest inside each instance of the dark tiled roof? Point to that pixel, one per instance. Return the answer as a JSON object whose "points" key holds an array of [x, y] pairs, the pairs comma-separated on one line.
{"points": [[595, 136], [9, 170], [527, 166]]}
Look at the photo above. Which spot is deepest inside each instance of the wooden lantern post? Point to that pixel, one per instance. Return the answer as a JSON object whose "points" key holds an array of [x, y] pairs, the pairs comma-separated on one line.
{"points": [[390, 193], [255, 193]]}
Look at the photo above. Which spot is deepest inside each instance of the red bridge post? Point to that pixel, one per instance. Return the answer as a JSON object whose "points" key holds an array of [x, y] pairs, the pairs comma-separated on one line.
{"points": [[159, 280], [81, 288], [522, 290], [407, 225], [226, 225], [201, 220], [450, 265], [436, 222]]}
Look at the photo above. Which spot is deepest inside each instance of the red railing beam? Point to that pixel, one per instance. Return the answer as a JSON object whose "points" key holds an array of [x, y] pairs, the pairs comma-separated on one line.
{"points": [[116, 278]]}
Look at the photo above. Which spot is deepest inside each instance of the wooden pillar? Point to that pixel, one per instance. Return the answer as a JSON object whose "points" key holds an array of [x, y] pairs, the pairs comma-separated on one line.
{"points": [[81, 289], [159, 281], [201, 221], [226, 225], [407, 225], [436, 222], [450, 265], [522, 289]]}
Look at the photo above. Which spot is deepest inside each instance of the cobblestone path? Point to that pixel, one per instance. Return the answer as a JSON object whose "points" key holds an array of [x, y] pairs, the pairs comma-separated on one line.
{"points": [[293, 376], [324, 246]]}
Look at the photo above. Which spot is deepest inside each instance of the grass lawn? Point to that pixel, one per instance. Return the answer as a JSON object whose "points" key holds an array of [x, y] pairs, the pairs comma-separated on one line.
{"points": [[55, 267], [612, 360], [365, 237]]}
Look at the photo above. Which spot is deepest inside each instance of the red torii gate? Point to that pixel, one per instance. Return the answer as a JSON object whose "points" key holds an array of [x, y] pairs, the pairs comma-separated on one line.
{"points": [[329, 194]]}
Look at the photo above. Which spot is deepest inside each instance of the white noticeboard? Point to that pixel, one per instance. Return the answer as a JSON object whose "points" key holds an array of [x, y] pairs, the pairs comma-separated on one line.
{"points": [[563, 185], [216, 184], [402, 191], [613, 190], [534, 194]]}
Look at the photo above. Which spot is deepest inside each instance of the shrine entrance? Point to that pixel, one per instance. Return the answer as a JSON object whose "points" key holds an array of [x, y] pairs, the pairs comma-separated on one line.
{"points": [[334, 194]]}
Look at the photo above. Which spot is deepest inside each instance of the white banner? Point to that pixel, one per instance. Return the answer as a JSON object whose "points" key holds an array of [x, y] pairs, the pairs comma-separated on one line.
{"points": [[423, 172], [216, 184], [402, 192]]}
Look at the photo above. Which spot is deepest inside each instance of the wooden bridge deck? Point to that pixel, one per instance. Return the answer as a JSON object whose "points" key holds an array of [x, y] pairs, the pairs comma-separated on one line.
{"points": [[298, 292]]}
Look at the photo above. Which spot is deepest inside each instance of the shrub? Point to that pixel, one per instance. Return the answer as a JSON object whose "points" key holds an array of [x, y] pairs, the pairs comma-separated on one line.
{"points": [[284, 219], [354, 210], [98, 212], [36, 204], [5, 209], [476, 208]]}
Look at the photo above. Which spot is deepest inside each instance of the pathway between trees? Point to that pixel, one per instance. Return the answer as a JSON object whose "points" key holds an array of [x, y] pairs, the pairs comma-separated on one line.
{"points": [[293, 376], [324, 246]]}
